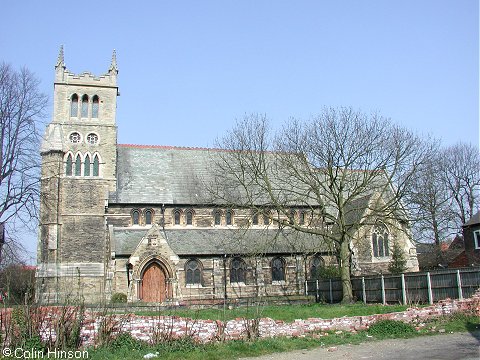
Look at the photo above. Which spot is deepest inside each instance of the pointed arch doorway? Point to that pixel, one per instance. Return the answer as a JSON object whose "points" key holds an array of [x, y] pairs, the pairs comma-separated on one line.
{"points": [[155, 286]]}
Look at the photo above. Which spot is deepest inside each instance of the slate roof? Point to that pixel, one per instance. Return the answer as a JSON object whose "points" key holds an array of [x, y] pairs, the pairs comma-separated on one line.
{"points": [[161, 175], [197, 241]]}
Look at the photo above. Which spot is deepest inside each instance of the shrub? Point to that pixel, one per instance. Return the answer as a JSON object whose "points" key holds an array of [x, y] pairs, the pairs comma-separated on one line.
{"points": [[391, 328], [118, 298], [127, 341]]}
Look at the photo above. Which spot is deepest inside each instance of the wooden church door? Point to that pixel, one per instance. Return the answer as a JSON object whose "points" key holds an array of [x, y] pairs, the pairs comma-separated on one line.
{"points": [[154, 284]]}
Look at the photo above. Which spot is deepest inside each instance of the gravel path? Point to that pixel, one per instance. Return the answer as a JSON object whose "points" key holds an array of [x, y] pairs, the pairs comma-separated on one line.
{"points": [[458, 346]]}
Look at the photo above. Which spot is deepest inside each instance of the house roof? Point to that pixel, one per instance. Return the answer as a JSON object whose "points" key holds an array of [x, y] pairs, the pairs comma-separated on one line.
{"points": [[474, 220], [197, 241]]}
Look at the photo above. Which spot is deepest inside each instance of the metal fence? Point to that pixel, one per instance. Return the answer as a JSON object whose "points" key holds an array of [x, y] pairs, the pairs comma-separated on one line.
{"points": [[425, 287]]}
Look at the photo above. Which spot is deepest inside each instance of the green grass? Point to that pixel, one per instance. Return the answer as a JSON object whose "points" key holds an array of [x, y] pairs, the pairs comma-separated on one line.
{"points": [[186, 349], [286, 313]]}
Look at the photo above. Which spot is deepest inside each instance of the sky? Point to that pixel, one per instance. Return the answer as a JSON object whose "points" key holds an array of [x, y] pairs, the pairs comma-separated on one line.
{"points": [[189, 69]]}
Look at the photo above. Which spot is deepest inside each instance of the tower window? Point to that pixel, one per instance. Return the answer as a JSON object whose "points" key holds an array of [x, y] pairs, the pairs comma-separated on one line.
{"points": [[95, 106], [74, 106], [84, 106], [86, 166], [78, 166], [69, 165], [92, 139], [75, 138], [96, 166]]}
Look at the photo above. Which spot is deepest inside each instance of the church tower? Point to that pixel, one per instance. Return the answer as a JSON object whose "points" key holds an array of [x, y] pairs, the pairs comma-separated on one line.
{"points": [[78, 170]]}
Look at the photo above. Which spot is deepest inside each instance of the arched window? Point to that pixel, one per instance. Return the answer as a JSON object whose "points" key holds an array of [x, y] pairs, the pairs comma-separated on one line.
{"points": [[237, 270], [135, 217], [84, 106], [217, 218], [95, 106], [74, 106], [278, 269], [228, 217], [193, 272], [380, 241], [315, 265], [78, 166], [69, 165], [189, 217], [148, 217], [96, 166], [86, 166], [255, 219], [176, 215]]}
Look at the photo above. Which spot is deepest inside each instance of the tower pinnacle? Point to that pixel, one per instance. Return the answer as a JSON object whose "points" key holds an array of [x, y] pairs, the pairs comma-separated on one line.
{"points": [[113, 65], [60, 59]]}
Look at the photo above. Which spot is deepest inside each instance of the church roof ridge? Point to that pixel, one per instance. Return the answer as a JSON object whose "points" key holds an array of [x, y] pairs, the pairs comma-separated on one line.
{"points": [[168, 147]]}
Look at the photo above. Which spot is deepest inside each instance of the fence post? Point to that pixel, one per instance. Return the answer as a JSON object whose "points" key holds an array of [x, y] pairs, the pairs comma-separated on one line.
{"points": [[316, 291], [306, 288], [429, 287], [384, 298], [364, 291], [331, 292], [459, 284], [404, 290]]}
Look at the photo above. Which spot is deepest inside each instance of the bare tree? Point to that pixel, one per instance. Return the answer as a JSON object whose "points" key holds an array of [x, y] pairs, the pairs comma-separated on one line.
{"points": [[461, 174], [429, 202], [348, 169], [21, 108]]}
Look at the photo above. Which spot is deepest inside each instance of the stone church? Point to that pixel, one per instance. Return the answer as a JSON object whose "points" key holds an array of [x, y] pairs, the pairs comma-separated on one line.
{"points": [[134, 219]]}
